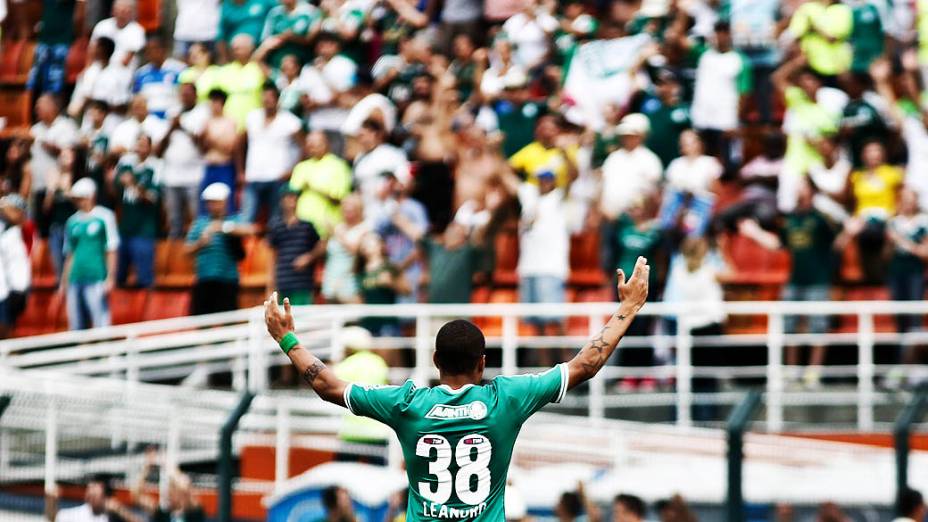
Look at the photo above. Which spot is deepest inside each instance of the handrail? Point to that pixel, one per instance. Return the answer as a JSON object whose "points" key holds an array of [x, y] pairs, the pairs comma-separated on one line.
{"points": [[468, 309]]}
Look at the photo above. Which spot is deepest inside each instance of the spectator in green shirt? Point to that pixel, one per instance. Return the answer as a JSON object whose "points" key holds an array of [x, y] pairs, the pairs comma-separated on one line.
{"points": [[453, 262], [138, 199], [288, 30], [240, 17], [215, 241], [91, 258], [812, 240]]}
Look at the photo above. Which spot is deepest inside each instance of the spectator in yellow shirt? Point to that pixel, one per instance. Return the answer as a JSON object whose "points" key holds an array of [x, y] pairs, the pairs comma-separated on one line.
{"points": [[323, 180], [874, 190], [546, 154]]}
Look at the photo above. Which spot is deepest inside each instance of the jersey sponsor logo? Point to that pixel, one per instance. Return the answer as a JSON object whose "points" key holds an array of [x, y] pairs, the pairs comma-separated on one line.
{"points": [[475, 410]]}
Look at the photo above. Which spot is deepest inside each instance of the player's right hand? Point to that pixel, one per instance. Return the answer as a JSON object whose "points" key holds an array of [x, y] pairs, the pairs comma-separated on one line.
{"points": [[634, 292], [278, 322]]}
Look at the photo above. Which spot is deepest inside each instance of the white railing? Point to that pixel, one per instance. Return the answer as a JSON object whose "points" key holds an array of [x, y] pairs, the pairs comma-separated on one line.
{"points": [[237, 342], [62, 427]]}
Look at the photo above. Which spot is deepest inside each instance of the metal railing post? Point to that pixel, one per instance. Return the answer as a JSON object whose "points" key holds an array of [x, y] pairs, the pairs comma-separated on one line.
{"points": [[598, 382], [171, 453], [737, 422], [51, 446], [911, 414], [865, 371], [684, 372], [5, 401], [775, 381], [420, 374], [225, 456], [282, 446], [510, 344]]}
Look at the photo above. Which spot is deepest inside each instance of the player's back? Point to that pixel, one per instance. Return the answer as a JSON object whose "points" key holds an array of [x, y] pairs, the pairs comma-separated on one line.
{"points": [[458, 443]]}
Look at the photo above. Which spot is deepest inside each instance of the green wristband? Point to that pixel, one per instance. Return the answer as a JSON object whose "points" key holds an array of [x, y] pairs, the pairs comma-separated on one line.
{"points": [[288, 341]]}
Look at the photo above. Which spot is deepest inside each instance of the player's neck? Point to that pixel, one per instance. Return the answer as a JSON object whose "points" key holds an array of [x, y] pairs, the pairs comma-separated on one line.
{"points": [[457, 381]]}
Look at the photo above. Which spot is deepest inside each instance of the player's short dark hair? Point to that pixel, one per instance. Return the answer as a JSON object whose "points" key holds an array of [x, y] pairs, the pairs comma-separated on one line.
{"points": [[631, 503], [908, 502], [459, 346], [571, 503], [218, 94]]}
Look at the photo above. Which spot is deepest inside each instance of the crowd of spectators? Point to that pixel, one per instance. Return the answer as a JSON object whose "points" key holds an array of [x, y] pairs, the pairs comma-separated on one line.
{"points": [[388, 141]]}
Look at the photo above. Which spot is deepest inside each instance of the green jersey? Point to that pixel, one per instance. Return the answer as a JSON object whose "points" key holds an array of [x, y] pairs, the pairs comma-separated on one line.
{"points": [[458, 443], [85, 236]]}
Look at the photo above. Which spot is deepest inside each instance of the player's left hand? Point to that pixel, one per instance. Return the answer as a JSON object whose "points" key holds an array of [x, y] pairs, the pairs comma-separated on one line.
{"points": [[278, 322]]}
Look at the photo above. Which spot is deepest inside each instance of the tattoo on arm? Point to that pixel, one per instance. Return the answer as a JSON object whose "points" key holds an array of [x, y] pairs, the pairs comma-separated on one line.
{"points": [[313, 371], [597, 351]]}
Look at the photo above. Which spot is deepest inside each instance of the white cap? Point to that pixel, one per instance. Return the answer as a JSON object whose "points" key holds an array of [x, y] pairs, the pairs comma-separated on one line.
{"points": [[654, 8], [515, 79], [83, 188], [635, 123], [356, 338], [216, 192]]}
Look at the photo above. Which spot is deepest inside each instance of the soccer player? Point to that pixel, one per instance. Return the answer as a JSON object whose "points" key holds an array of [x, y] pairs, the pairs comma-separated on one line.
{"points": [[457, 438]]}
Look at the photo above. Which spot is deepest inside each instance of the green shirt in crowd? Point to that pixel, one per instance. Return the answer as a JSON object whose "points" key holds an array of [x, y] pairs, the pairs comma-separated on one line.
{"points": [[245, 17], [87, 241], [451, 272], [457, 444], [216, 261], [915, 229], [867, 36], [667, 123], [138, 203], [517, 123], [299, 22], [809, 238], [632, 242], [57, 23]]}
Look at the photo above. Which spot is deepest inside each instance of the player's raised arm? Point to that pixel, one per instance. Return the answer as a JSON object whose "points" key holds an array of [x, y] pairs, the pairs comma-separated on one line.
{"points": [[593, 356], [323, 380]]}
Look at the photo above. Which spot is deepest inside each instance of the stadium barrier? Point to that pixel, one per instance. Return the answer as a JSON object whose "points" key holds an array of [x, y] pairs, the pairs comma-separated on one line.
{"points": [[236, 343]]}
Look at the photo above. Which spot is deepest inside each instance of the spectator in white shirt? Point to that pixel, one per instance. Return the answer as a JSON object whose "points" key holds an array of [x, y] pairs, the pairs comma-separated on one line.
{"points": [[501, 72], [99, 506], [52, 133], [273, 137], [530, 32], [324, 83], [197, 22], [126, 134], [631, 172], [100, 50], [544, 245], [122, 28], [690, 182], [17, 269], [722, 77], [184, 162], [375, 159]]}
